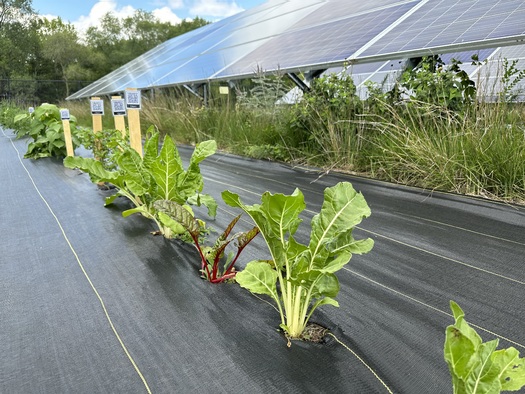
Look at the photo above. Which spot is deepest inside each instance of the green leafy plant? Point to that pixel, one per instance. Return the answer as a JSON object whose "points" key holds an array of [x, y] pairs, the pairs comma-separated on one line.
{"points": [[156, 176], [300, 278], [216, 265], [12, 117], [477, 367], [47, 131], [107, 145], [510, 80], [432, 82]]}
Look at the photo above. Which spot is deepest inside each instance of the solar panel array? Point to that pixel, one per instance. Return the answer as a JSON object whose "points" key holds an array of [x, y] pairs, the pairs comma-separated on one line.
{"points": [[306, 35]]}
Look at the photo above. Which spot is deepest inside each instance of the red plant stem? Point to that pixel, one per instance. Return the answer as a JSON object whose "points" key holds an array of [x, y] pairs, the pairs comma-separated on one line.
{"points": [[228, 270], [215, 267], [223, 278], [203, 259]]}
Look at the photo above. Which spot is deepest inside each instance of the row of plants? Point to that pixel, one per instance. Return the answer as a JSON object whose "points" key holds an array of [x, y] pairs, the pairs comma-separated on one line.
{"points": [[299, 277]]}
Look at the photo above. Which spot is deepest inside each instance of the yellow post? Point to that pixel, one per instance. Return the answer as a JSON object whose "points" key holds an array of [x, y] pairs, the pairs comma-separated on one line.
{"points": [[120, 123], [97, 116], [133, 105], [64, 114]]}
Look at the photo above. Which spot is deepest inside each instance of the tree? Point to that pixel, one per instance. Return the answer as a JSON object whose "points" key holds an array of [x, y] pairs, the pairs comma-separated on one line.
{"points": [[122, 40], [60, 45], [11, 10]]}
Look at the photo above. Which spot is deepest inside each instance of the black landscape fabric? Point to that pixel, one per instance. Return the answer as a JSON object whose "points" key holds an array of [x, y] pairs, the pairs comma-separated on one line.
{"points": [[80, 286]]}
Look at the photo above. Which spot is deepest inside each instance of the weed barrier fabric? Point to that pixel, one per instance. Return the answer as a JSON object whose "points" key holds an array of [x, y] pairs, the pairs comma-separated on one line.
{"points": [[185, 335]]}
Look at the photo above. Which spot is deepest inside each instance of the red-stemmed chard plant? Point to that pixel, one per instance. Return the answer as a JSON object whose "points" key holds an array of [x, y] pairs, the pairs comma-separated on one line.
{"points": [[216, 265]]}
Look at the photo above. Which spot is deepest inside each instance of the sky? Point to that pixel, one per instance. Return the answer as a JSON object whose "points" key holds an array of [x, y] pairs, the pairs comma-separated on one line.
{"points": [[85, 13]]}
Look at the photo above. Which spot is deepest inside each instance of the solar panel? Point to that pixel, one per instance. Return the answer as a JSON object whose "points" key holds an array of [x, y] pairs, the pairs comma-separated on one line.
{"points": [[323, 43], [440, 24], [295, 36]]}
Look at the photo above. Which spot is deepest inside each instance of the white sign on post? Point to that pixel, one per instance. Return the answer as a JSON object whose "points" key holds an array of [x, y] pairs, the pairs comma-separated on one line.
{"points": [[118, 106], [133, 99], [64, 114], [97, 107]]}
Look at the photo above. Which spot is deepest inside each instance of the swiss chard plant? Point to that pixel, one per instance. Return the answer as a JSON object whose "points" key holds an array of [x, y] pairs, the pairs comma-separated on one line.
{"points": [[477, 367], [216, 265], [301, 278], [47, 132], [156, 176]]}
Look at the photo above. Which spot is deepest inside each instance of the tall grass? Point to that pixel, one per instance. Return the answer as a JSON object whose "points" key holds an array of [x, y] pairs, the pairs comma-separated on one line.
{"points": [[479, 151]]}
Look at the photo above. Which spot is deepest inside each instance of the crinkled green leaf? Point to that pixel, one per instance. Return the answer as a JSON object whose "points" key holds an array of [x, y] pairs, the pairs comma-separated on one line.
{"points": [[511, 367], [20, 117], [323, 284], [259, 278], [190, 182], [168, 222], [206, 200], [151, 148], [138, 180], [477, 367], [179, 214], [94, 168], [277, 218], [343, 208], [165, 169]]}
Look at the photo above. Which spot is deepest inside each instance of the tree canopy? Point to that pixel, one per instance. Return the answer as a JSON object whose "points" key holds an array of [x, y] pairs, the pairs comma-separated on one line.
{"points": [[46, 60]]}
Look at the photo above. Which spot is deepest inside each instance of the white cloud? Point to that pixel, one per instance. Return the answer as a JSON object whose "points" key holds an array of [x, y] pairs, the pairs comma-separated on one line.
{"points": [[176, 4], [99, 10], [215, 8], [165, 14]]}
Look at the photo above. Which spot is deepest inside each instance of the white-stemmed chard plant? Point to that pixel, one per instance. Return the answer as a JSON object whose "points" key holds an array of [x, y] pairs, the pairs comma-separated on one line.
{"points": [[300, 278]]}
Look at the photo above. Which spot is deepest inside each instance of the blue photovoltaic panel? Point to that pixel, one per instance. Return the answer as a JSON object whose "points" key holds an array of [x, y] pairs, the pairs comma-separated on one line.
{"points": [[442, 23], [317, 34], [255, 25], [339, 9], [325, 43], [206, 64]]}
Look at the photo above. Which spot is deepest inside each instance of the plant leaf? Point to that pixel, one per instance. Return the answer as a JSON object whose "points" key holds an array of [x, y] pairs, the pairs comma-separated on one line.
{"points": [[179, 214], [228, 229], [141, 209], [137, 179], [189, 182], [477, 367], [259, 278], [20, 117], [151, 148], [94, 168], [277, 219], [174, 226], [511, 367], [245, 238], [165, 169], [343, 208], [322, 284], [208, 201]]}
